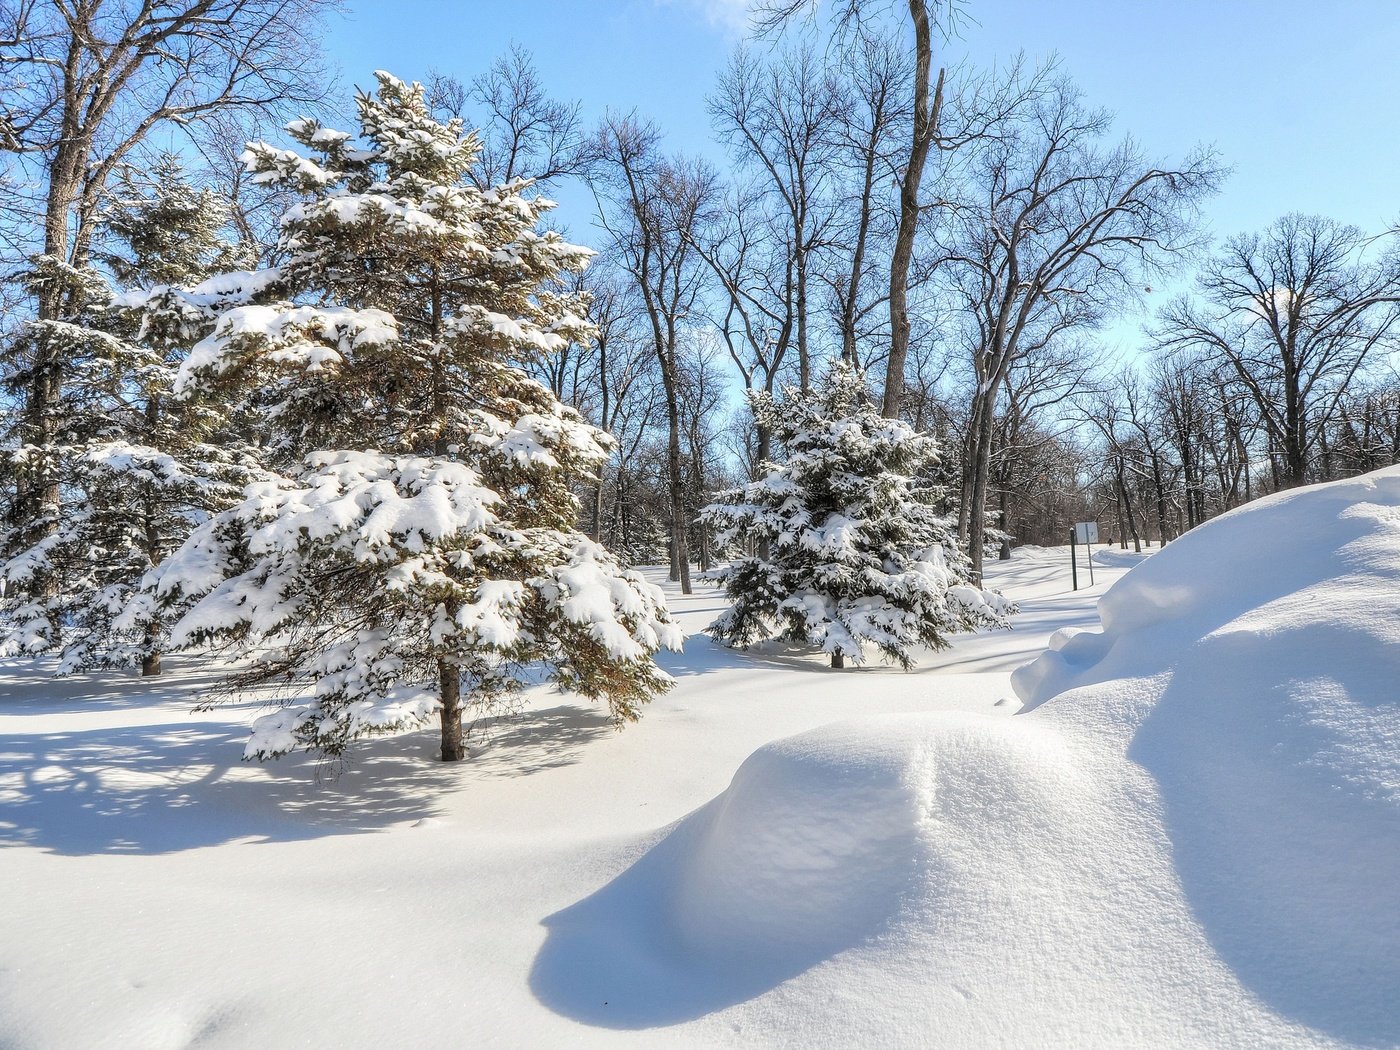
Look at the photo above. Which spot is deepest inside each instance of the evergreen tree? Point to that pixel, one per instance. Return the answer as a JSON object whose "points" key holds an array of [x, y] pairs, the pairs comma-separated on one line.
{"points": [[850, 548], [137, 469], [420, 554]]}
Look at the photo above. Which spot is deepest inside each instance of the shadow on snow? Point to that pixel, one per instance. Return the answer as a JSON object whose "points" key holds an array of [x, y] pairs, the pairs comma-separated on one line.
{"points": [[163, 788], [619, 959], [1287, 865], [178, 784]]}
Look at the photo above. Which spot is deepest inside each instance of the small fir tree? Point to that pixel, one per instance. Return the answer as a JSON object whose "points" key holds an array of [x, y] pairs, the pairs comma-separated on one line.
{"points": [[137, 469], [420, 554], [850, 549]]}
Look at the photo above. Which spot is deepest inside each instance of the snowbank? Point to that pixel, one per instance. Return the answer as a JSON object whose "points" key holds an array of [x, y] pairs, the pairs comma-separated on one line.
{"points": [[1191, 838], [1252, 668], [914, 880], [826, 843], [1119, 558]]}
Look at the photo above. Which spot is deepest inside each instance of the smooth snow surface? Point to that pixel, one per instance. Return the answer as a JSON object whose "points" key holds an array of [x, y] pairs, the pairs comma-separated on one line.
{"points": [[1189, 837], [1252, 671]]}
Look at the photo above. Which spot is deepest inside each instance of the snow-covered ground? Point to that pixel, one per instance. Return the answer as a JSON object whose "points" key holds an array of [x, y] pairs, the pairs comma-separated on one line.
{"points": [[1196, 846]]}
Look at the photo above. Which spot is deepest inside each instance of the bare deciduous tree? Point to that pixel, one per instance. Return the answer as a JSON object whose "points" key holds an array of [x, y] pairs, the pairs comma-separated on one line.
{"points": [[652, 208], [873, 111], [928, 105], [525, 133], [1048, 232], [82, 86], [755, 312], [1294, 313], [926, 108], [1029, 421], [777, 118]]}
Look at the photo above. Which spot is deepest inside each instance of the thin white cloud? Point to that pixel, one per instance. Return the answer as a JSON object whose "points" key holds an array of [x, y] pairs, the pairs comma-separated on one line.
{"points": [[729, 15]]}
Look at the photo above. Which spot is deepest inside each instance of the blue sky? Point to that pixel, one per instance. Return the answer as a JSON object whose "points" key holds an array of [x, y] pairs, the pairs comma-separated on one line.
{"points": [[1301, 99], [1303, 102]]}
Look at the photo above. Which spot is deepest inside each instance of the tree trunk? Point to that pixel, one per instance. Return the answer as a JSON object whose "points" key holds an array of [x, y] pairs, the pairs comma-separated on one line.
{"points": [[680, 544], [1294, 447], [1006, 540], [1159, 492], [925, 129], [965, 495], [38, 496], [1188, 474], [977, 511], [851, 303], [454, 747], [804, 360], [150, 664], [1128, 510], [608, 424], [764, 450], [969, 462], [596, 533], [838, 661]]}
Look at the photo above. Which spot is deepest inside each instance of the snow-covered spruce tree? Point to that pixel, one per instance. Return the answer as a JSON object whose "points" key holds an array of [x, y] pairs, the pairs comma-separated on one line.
{"points": [[41, 570], [137, 469], [420, 556], [851, 548]]}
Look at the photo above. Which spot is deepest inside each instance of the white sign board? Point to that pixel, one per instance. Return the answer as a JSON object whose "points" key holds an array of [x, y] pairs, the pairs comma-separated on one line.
{"points": [[1086, 531]]}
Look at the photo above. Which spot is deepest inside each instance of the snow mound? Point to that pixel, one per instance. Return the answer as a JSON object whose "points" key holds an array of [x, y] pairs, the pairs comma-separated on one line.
{"points": [[826, 844], [1252, 668], [940, 865], [1327, 553], [1117, 558], [807, 850], [1190, 838]]}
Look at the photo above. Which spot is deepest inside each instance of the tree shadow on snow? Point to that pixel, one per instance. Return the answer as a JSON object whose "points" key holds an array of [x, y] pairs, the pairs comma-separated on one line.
{"points": [[163, 788], [533, 741], [166, 787], [703, 654], [30, 686]]}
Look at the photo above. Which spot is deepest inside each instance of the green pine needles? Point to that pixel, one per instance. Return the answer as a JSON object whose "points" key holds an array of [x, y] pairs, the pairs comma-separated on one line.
{"points": [[849, 548]]}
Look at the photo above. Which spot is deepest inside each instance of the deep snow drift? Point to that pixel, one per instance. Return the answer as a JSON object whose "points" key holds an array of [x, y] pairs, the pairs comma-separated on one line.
{"points": [[1189, 836], [1252, 669]]}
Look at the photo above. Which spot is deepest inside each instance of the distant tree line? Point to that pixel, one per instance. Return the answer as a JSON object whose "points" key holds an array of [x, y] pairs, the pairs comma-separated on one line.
{"points": [[962, 236]]}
